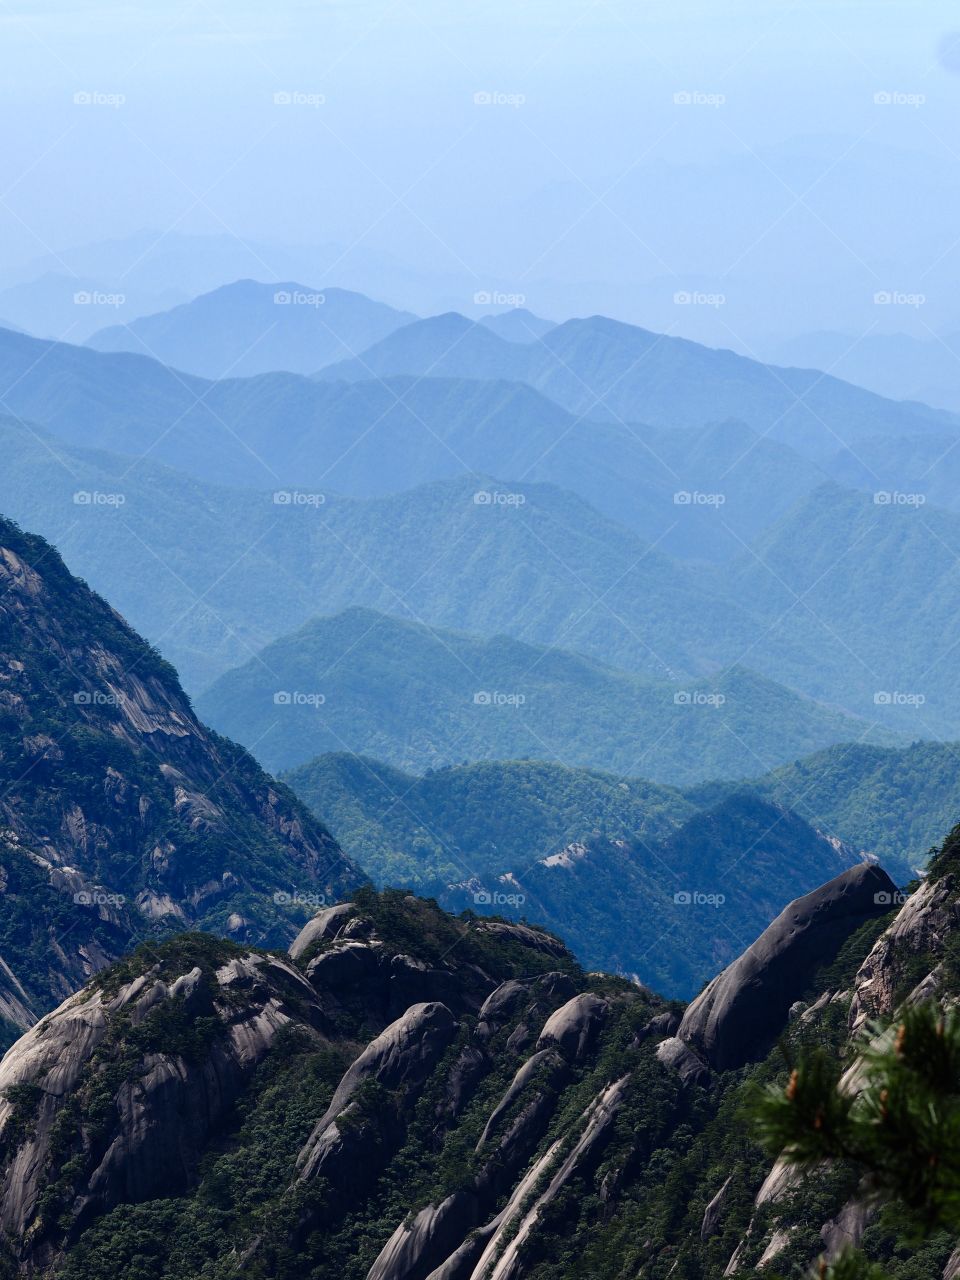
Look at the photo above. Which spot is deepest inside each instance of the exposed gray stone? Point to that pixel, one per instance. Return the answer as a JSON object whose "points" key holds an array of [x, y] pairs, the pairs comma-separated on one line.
{"points": [[573, 1026], [326, 924], [743, 1010], [677, 1055]]}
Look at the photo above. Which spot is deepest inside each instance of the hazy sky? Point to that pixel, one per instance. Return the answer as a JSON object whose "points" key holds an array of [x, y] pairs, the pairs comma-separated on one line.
{"points": [[165, 115]]}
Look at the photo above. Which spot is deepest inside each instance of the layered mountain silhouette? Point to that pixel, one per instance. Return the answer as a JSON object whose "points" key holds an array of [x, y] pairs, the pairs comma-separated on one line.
{"points": [[601, 368], [421, 697], [248, 328], [637, 877]]}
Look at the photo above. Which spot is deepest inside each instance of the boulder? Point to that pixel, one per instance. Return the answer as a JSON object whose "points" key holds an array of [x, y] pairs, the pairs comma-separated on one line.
{"points": [[713, 1212], [326, 924], [573, 1026], [743, 1010], [679, 1057], [547, 1064], [401, 1056], [417, 1247]]}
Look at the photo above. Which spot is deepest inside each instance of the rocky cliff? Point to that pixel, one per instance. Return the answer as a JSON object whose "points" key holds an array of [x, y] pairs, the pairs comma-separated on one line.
{"points": [[121, 816], [414, 1096]]}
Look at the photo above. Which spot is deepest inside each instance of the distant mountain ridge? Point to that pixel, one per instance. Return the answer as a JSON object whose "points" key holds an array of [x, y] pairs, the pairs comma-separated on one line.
{"points": [[601, 368], [419, 697], [214, 574], [249, 327], [638, 879], [376, 437]]}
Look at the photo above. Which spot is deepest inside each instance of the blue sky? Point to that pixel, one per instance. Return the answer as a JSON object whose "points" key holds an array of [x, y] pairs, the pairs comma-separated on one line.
{"points": [[357, 123]]}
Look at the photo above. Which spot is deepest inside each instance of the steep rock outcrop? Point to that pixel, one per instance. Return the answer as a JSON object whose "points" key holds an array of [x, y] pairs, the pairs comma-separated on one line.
{"points": [[117, 806], [402, 1056], [744, 1009], [573, 1027], [920, 928], [156, 1107], [325, 925]]}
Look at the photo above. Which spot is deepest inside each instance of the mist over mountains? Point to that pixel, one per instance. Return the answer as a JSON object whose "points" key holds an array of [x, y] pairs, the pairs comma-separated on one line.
{"points": [[479, 636]]}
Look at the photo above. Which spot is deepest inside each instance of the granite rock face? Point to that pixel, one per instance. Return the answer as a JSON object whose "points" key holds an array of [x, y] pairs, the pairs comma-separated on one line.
{"points": [[164, 1104], [117, 805], [743, 1010], [402, 1056]]}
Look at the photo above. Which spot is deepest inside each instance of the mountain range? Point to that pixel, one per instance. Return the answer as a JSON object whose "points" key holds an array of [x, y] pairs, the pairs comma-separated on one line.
{"points": [[408, 1094], [638, 879], [600, 368], [419, 697], [122, 817], [247, 327]]}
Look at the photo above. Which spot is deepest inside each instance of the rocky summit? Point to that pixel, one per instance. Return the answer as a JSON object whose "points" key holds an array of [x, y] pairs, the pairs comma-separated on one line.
{"points": [[409, 1095], [122, 818]]}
